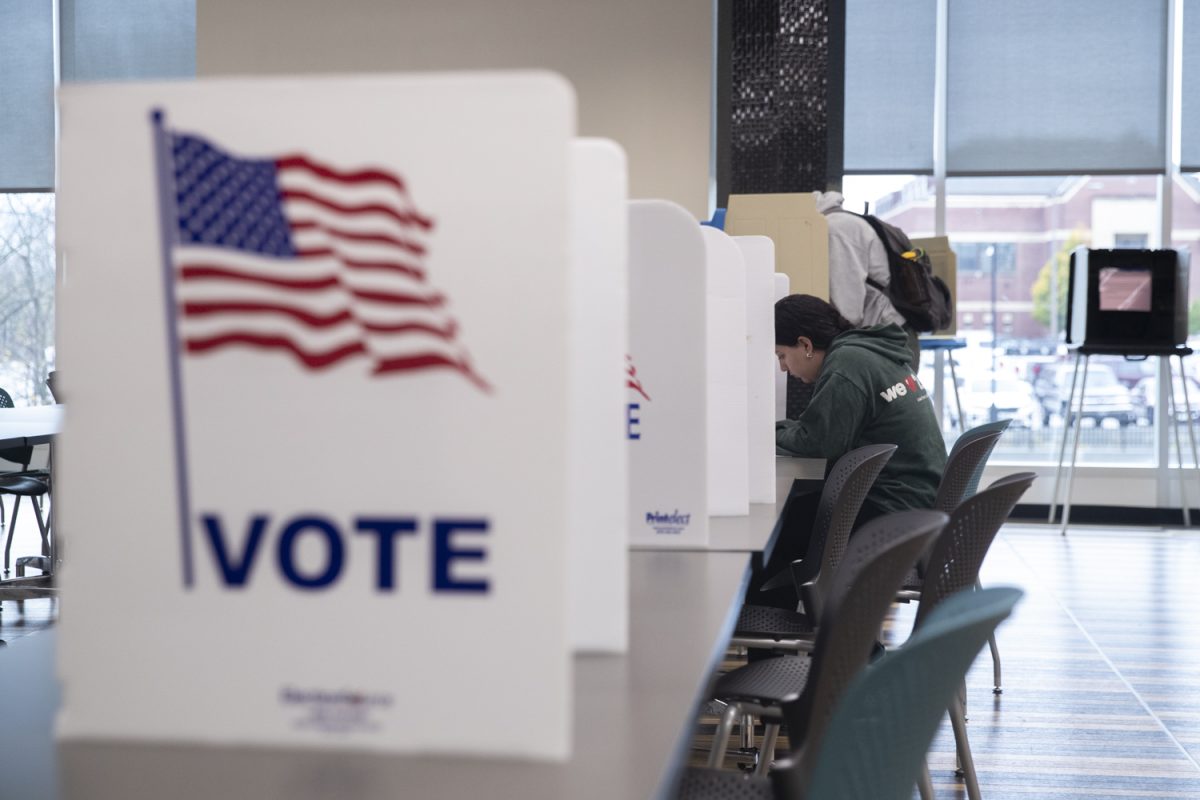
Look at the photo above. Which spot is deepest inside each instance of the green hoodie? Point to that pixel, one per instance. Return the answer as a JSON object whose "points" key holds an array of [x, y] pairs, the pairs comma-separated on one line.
{"points": [[867, 394]]}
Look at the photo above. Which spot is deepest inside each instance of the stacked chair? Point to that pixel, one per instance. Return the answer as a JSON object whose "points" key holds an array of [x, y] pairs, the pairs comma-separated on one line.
{"points": [[874, 745], [842, 497], [803, 690], [951, 564]]}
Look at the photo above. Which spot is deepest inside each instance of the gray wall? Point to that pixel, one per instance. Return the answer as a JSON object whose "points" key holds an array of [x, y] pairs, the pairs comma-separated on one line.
{"points": [[642, 69]]}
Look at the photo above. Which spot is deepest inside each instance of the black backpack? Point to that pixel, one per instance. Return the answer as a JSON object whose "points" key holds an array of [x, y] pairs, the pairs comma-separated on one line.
{"points": [[922, 298]]}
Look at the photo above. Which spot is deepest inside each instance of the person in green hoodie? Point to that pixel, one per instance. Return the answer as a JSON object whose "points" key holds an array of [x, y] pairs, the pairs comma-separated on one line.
{"points": [[864, 393]]}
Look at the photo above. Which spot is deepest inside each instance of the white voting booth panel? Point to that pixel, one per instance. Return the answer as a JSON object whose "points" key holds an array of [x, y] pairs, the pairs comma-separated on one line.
{"points": [[761, 364], [598, 481], [340, 411], [667, 384], [728, 448], [781, 291]]}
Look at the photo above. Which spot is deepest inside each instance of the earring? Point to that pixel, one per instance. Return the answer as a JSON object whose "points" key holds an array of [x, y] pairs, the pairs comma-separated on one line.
{"points": [[808, 354]]}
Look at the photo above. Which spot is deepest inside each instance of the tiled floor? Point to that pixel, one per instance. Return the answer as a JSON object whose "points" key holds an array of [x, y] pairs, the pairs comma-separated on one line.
{"points": [[37, 614], [1101, 669]]}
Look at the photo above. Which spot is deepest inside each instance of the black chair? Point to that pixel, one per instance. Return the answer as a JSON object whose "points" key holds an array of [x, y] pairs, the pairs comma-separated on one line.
{"points": [[842, 497], [803, 690], [960, 479], [953, 566], [21, 483], [965, 464]]}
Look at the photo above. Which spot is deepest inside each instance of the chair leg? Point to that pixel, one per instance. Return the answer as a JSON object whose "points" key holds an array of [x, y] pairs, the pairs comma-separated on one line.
{"points": [[747, 731], [12, 527], [963, 746], [925, 782], [767, 754], [37, 514], [997, 686], [21, 574], [716, 758]]}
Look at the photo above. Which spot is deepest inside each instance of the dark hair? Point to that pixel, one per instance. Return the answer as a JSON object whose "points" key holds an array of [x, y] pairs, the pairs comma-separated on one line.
{"points": [[804, 315]]}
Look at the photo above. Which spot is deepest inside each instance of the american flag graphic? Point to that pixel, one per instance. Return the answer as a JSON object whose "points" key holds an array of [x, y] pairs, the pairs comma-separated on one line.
{"points": [[294, 255]]}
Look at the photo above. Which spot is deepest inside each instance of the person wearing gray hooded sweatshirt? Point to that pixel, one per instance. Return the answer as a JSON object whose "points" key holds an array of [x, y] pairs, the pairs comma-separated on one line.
{"points": [[856, 253]]}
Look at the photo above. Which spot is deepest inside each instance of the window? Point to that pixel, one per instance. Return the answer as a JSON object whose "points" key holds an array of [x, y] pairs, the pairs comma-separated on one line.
{"points": [[1012, 237], [97, 40], [977, 257], [27, 305], [1131, 241]]}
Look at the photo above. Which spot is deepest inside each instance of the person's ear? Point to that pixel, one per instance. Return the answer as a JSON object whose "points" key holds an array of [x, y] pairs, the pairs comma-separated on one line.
{"points": [[805, 344]]}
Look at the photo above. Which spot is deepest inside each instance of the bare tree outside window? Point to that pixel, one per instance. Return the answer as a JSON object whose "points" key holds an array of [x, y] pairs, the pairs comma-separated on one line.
{"points": [[26, 296]]}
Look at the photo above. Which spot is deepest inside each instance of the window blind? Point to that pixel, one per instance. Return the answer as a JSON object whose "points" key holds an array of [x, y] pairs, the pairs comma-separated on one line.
{"points": [[1068, 86], [890, 50], [106, 40], [1189, 154], [26, 96]]}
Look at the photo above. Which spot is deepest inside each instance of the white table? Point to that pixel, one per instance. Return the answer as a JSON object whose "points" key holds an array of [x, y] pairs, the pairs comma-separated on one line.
{"points": [[30, 425]]}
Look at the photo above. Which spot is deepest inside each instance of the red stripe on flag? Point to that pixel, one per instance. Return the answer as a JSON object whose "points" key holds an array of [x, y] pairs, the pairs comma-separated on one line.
{"points": [[307, 317], [404, 218], [325, 171], [309, 359], [429, 361], [355, 236], [208, 272], [382, 266], [434, 301], [446, 332]]}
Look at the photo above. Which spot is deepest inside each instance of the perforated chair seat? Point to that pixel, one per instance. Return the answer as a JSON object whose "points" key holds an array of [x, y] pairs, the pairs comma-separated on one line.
{"points": [[771, 682], [912, 581], [768, 621], [704, 783]]}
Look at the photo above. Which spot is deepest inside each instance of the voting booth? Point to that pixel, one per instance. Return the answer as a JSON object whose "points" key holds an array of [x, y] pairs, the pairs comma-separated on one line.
{"points": [[339, 375], [667, 378], [797, 228]]}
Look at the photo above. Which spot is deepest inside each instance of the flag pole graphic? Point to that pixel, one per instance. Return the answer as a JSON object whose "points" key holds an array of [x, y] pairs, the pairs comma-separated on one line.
{"points": [[169, 219]]}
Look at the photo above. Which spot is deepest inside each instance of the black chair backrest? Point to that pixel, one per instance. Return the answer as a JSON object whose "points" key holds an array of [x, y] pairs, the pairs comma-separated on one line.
{"points": [[842, 497], [876, 561], [964, 465], [957, 555]]}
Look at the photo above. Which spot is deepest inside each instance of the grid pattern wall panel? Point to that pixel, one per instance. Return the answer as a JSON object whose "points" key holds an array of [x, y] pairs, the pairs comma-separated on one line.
{"points": [[780, 95]]}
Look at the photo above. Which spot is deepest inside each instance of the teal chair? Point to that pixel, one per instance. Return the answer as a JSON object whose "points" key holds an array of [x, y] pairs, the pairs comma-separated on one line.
{"points": [[875, 743], [874, 749]]}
